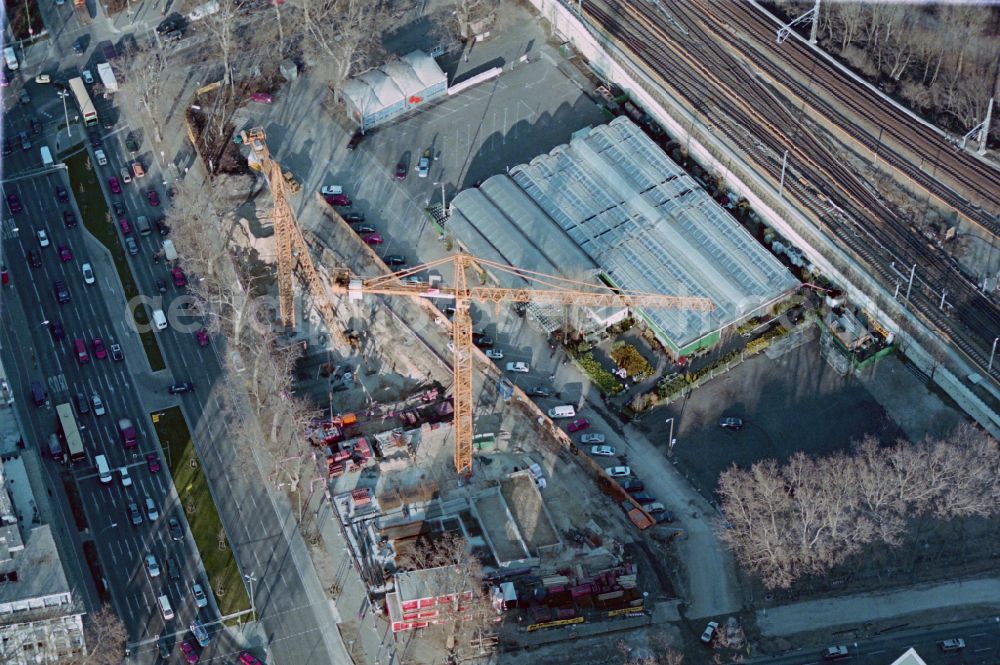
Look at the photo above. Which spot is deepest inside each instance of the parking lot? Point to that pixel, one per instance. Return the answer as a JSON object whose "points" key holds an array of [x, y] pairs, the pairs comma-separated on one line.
{"points": [[794, 403]]}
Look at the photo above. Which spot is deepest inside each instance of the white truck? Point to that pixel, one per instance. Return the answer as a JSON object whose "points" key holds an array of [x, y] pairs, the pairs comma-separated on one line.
{"points": [[107, 77], [169, 252]]}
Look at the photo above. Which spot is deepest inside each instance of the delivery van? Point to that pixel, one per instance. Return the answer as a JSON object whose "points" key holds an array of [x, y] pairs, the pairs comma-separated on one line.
{"points": [[159, 319], [564, 411], [10, 58], [103, 470], [46, 156], [55, 448], [165, 609]]}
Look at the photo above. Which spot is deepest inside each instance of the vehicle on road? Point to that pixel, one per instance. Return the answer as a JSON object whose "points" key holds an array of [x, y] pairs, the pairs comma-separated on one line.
{"points": [[163, 646], [151, 512], [133, 513], [62, 293], [577, 425], [131, 246], [102, 159], [25, 141], [709, 632], [519, 367], [539, 391], [730, 422], [424, 165], [200, 633], [602, 451], [836, 653], [161, 285], [153, 197], [116, 352], [202, 337], [98, 403], [180, 388], [495, 354], [126, 175], [88, 274], [618, 471], [127, 432], [174, 527], [98, 346], [180, 279], [69, 219], [199, 595], [152, 567], [82, 405], [126, 478], [131, 143], [62, 195], [65, 253], [113, 183], [173, 568], [56, 330], [593, 437], [14, 203], [247, 658], [79, 45], [190, 652], [34, 258], [152, 462], [43, 238], [956, 644]]}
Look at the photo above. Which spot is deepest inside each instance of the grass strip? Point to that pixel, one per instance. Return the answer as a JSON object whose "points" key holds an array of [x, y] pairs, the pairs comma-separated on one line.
{"points": [[192, 487], [94, 210]]}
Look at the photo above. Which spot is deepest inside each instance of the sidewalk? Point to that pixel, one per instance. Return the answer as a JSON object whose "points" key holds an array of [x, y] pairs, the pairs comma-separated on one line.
{"points": [[814, 614]]}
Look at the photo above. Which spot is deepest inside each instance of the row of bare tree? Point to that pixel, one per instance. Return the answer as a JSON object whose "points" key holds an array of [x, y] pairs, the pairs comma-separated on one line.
{"points": [[808, 515], [941, 57]]}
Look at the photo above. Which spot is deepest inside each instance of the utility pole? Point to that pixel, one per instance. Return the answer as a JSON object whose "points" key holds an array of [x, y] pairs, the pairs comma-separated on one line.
{"points": [[251, 578], [815, 24], [64, 94]]}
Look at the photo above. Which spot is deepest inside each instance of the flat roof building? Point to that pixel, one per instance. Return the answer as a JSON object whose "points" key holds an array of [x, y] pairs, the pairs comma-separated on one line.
{"points": [[399, 86], [611, 207]]}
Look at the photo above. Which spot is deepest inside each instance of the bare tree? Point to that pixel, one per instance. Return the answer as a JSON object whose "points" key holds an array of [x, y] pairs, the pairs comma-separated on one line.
{"points": [[105, 636], [472, 15], [142, 75], [222, 24]]}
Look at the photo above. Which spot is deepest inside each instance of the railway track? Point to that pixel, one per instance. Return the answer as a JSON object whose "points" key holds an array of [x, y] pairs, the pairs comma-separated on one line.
{"points": [[754, 40], [688, 59]]}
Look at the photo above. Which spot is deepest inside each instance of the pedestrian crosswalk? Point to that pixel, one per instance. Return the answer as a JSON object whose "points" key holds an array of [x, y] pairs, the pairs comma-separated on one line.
{"points": [[9, 229]]}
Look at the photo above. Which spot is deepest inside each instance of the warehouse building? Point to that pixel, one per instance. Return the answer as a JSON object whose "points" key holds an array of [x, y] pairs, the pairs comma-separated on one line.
{"points": [[382, 94], [611, 207]]}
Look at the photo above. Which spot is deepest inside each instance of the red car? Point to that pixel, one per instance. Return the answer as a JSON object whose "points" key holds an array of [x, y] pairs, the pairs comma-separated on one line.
{"points": [[261, 98], [338, 200], [125, 227], [153, 462], [372, 239], [180, 279], [153, 197], [401, 171], [115, 187], [202, 337], [98, 346], [14, 204], [577, 425], [247, 658], [65, 253], [190, 653]]}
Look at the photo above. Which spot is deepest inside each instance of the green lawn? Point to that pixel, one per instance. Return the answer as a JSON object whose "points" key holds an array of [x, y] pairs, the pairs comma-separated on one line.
{"points": [[93, 207], [200, 510]]}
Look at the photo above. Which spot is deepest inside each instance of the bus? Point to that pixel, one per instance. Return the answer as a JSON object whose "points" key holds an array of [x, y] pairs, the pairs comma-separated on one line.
{"points": [[69, 432], [83, 101]]}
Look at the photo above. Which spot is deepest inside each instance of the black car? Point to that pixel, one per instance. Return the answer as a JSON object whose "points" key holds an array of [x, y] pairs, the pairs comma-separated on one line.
{"points": [[355, 140], [161, 286], [354, 217], [395, 260], [82, 404], [179, 388], [7, 147], [95, 140], [666, 517], [25, 142], [173, 567], [62, 293], [161, 228], [36, 127], [119, 209], [69, 219], [643, 499], [539, 391], [34, 258], [482, 341], [366, 228], [173, 36], [170, 24], [730, 422], [631, 485], [56, 330], [131, 143], [163, 645], [79, 45], [176, 532], [62, 195]]}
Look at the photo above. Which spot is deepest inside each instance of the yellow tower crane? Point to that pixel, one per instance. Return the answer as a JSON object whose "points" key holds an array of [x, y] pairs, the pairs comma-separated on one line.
{"points": [[293, 255]]}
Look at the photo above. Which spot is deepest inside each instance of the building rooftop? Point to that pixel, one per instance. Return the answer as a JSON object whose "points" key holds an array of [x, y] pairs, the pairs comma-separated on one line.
{"points": [[429, 583], [909, 658], [612, 203], [392, 83], [33, 579]]}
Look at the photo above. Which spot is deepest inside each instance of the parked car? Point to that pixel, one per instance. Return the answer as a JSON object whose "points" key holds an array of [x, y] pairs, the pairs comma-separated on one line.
{"points": [[729, 422], [664, 517], [578, 425], [401, 171], [338, 200], [539, 391], [116, 188], [36, 126], [153, 197], [25, 97], [631, 485], [355, 140], [519, 367], [602, 451], [131, 143], [372, 239], [261, 98], [643, 498], [956, 644], [593, 437], [618, 471], [424, 165], [79, 45], [354, 217], [202, 337], [137, 169], [366, 228], [161, 228], [180, 279], [836, 653], [180, 388], [495, 354], [709, 632]]}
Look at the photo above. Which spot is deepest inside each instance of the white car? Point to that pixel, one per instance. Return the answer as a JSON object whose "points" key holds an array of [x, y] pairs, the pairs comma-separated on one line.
{"points": [[424, 165], [331, 190], [518, 367], [88, 78], [593, 437], [98, 403], [88, 274], [619, 472], [602, 451], [152, 567], [126, 479], [43, 238], [495, 354], [709, 633], [43, 78], [102, 159], [199, 595], [126, 175]]}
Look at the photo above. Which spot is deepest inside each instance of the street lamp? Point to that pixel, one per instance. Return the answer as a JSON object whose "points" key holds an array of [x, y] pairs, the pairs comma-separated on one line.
{"points": [[64, 94], [672, 439], [992, 353], [43, 323], [251, 578]]}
